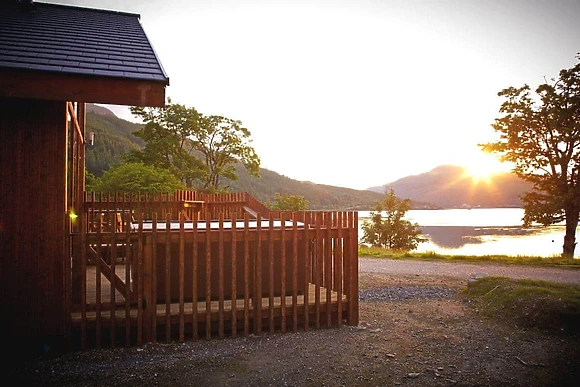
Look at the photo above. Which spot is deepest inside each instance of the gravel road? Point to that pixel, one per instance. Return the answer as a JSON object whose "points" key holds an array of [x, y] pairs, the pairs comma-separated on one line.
{"points": [[466, 270]]}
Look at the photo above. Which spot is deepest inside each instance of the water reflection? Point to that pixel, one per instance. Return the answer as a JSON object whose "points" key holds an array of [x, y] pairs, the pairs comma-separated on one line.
{"points": [[489, 231], [454, 237]]}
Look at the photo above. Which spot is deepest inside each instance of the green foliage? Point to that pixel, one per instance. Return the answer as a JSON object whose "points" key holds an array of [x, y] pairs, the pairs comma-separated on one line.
{"points": [[200, 150], [288, 203], [381, 252], [393, 232], [113, 138], [540, 135], [527, 303], [136, 178]]}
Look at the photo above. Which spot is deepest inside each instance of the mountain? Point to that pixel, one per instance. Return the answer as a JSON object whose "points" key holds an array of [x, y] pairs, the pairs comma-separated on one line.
{"points": [[319, 196], [448, 186], [113, 138]]}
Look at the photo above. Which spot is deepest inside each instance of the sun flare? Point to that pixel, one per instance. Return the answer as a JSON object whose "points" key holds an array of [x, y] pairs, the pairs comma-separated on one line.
{"points": [[483, 166]]}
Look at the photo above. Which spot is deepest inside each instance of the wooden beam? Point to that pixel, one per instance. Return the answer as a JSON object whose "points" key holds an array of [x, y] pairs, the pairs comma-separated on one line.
{"points": [[80, 88]]}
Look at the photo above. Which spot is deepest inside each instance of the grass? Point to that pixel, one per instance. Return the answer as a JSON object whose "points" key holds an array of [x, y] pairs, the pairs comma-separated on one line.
{"points": [[527, 303], [376, 252]]}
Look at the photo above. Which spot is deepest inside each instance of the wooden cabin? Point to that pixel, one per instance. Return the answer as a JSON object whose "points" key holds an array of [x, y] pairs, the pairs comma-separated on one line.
{"points": [[53, 59], [81, 271]]}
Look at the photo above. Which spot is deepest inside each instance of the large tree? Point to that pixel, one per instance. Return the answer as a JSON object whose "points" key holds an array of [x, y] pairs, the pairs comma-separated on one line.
{"points": [[200, 150], [393, 232], [540, 134]]}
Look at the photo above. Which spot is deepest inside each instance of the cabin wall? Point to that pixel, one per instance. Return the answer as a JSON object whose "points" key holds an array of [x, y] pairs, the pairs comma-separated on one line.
{"points": [[33, 143]]}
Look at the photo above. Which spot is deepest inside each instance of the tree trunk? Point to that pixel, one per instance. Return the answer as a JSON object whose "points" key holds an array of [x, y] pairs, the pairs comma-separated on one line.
{"points": [[570, 237]]}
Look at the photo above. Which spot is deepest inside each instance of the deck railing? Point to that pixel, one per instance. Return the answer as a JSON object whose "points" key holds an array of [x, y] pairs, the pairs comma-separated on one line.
{"points": [[139, 277]]}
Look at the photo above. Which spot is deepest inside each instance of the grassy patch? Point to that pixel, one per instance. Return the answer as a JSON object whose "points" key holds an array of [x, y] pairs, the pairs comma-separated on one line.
{"points": [[527, 303], [376, 252]]}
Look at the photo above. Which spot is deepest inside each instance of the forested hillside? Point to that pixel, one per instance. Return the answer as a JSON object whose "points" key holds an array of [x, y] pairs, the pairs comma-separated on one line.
{"points": [[113, 137], [319, 196]]}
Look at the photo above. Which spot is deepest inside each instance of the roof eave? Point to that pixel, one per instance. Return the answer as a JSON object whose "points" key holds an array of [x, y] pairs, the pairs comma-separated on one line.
{"points": [[57, 86]]}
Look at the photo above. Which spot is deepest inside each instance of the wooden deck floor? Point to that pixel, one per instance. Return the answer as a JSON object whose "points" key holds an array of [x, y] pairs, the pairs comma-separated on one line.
{"points": [[239, 305]]}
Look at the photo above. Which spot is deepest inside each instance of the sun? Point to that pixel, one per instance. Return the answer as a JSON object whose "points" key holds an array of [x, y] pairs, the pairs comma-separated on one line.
{"points": [[483, 166]]}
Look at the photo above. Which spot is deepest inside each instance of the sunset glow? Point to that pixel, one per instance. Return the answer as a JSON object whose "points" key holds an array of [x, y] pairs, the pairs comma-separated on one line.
{"points": [[483, 166]]}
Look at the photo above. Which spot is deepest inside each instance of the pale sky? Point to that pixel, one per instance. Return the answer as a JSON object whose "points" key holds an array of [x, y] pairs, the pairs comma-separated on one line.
{"points": [[356, 93]]}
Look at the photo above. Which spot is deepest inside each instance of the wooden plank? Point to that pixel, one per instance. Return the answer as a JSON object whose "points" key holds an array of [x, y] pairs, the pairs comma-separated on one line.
{"points": [[338, 266], [328, 264], [168, 276], [65, 87], [247, 274], [318, 267], [140, 278], [98, 284], [234, 295], [283, 273], [221, 276], [128, 279], [258, 278], [195, 276], [207, 278], [295, 272], [181, 276], [271, 275], [307, 268]]}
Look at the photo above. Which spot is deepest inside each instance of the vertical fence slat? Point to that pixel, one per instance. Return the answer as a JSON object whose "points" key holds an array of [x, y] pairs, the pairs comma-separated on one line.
{"points": [[195, 277], [257, 302], [247, 274], [283, 272], [168, 269], [271, 260], [98, 300], [295, 272], [208, 276], [318, 268], [328, 267], [140, 279], [338, 268], [234, 294], [128, 264], [181, 277], [221, 276]]}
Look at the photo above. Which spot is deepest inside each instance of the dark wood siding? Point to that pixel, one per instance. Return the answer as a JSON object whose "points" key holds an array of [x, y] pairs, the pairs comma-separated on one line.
{"points": [[32, 218]]}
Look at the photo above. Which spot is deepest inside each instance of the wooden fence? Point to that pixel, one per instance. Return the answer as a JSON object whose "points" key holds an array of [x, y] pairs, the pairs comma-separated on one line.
{"points": [[192, 272]]}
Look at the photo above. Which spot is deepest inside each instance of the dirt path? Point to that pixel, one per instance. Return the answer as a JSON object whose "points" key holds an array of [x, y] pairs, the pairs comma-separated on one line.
{"points": [[415, 331], [465, 270]]}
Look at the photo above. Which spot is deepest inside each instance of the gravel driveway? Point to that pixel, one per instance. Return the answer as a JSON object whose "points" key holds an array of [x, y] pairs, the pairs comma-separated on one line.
{"points": [[466, 270]]}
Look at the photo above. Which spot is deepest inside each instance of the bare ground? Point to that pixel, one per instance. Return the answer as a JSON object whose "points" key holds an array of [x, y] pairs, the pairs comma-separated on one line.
{"points": [[415, 330]]}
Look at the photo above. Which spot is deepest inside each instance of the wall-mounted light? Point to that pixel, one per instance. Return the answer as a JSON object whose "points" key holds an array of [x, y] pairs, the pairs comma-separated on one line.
{"points": [[91, 138]]}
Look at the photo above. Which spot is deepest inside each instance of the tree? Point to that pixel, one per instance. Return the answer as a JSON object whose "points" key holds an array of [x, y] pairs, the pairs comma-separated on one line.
{"points": [[200, 150], [288, 203], [393, 232], [136, 178], [224, 142], [540, 135], [167, 133]]}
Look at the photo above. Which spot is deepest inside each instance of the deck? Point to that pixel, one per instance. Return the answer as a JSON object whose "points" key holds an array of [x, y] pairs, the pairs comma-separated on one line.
{"points": [[194, 273]]}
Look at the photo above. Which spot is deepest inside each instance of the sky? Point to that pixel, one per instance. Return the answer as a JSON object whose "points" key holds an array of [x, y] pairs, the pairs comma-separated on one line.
{"points": [[356, 93]]}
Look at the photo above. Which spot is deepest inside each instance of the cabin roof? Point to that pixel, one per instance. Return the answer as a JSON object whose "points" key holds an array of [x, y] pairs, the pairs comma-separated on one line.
{"points": [[68, 41]]}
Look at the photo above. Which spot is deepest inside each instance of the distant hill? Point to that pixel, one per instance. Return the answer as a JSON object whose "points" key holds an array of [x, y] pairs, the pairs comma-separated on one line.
{"points": [[319, 196], [448, 186]]}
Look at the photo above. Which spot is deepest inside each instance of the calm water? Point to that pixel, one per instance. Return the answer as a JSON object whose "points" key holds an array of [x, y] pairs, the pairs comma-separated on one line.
{"points": [[484, 231]]}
